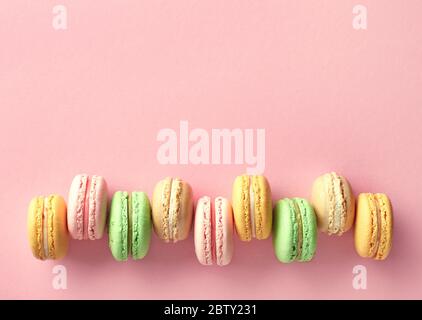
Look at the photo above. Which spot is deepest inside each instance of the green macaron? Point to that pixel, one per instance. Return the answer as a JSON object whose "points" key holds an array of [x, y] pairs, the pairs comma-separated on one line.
{"points": [[129, 225], [295, 230]]}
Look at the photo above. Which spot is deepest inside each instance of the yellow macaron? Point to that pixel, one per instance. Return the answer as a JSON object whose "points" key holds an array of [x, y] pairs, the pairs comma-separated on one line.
{"points": [[252, 207], [47, 228], [373, 226]]}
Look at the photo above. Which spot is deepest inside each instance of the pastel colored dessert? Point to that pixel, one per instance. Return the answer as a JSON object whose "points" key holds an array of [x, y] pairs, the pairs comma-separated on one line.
{"points": [[172, 209], [374, 226], [130, 225], [213, 231], [87, 207], [47, 230], [334, 203], [295, 230], [252, 207]]}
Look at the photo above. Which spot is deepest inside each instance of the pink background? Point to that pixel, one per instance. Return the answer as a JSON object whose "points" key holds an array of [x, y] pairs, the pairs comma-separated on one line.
{"points": [[93, 98]]}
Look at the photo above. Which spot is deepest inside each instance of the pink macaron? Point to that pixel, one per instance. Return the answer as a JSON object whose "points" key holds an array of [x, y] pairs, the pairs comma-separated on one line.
{"points": [[214, 231], [87, 207]]}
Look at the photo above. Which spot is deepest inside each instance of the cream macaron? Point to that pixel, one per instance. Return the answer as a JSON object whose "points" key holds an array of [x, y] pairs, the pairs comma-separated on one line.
{"points": [[172, 209], [334, 203]]}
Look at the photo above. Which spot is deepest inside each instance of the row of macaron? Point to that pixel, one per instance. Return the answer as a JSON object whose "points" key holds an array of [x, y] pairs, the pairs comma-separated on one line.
{"points": [[293, 222]]}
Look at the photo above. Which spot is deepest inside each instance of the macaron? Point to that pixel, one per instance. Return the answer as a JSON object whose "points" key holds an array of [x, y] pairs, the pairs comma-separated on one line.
{"points": [[213, 231], [87, 207], [252, 207], [130, 225], [334, 203], [47, 229], [172, 209], [374, 226], [294, 230]]}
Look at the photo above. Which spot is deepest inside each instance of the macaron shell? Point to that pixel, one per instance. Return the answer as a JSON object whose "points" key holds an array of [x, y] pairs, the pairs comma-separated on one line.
{"points": [[160, 208], [309, 234], [118, 226], [263, 207], [350, 203], [203, 231], [35, 227], [284, 235], [58, 238], [223, 231], [364, 227], [141, 225], [319, 202], [76, 204], [386, 240], [184, 201], [97, 207], [241, 210]]}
